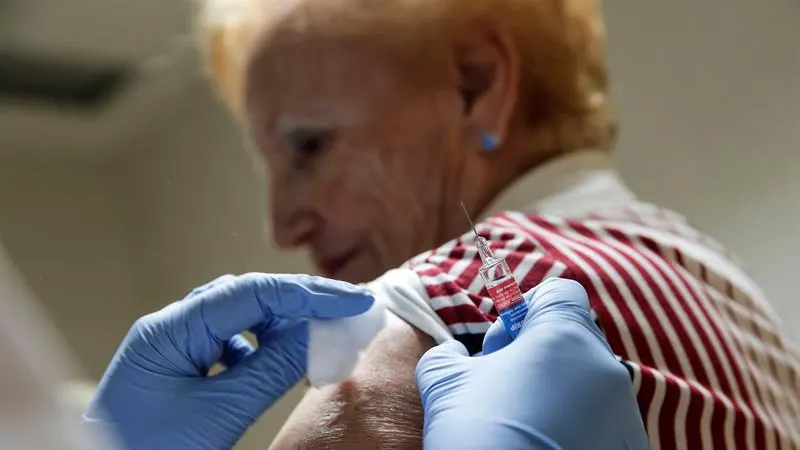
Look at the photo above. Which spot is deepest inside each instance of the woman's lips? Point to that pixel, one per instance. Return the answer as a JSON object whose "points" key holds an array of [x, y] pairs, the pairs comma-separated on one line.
{"points": [[331, 266]]}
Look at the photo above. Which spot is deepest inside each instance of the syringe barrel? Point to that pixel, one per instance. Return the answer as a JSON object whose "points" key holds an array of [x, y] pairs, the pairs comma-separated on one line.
{"points": [[506, 295]]}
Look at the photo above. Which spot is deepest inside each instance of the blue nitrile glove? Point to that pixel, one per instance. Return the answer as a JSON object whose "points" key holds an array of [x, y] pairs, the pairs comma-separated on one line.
{"points": [[556, 386], [156, 394]]}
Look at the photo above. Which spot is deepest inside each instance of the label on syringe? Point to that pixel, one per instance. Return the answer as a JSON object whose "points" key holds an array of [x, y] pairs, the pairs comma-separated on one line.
{"points": [[510, 304]]}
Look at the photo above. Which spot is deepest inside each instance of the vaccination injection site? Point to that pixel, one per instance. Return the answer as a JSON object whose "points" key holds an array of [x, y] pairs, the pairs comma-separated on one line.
{"points": [[399, 225]]}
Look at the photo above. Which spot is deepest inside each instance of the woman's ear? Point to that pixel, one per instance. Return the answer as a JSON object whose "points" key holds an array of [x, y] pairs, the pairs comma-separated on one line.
{"points": [[488, 67]]}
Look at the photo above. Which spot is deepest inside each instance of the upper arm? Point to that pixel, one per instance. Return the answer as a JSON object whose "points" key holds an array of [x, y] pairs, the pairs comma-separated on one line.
{"points": [[377, 408]]}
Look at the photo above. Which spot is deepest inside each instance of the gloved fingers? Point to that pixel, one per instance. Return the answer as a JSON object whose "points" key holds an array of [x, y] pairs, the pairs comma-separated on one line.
{"points": [[262, 328], [243, 302], [267, 374], [210, 284], [496, 337], [235, 350], [557, 294], [555, 291], [295, 296], [451, 348], [438, 363], [562, 300], [268, 331]]}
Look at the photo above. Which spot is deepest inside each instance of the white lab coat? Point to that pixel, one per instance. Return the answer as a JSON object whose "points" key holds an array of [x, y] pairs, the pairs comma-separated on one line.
{"points": [[33, 367]]}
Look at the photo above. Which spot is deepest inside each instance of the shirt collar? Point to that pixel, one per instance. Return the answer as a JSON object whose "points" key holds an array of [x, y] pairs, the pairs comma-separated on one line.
{"points": [[571, 183]]}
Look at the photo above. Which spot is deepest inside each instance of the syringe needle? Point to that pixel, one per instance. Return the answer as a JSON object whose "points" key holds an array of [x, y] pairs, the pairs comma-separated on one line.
{"points": [[483, 247], [469, 218]]}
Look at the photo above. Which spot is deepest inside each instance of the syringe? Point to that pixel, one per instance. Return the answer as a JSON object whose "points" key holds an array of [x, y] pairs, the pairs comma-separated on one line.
{"points": [[503, 288]]}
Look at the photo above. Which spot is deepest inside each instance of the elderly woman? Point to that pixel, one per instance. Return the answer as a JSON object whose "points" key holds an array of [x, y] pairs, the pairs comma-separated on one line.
{"points": [[376, 118]]}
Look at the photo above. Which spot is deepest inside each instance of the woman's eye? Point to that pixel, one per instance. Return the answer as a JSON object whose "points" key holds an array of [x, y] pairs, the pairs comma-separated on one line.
{"points": [[309, 143]]}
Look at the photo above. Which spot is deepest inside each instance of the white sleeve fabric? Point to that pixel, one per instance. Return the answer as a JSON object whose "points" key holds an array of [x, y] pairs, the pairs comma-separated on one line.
{"points": [[403, 294]]}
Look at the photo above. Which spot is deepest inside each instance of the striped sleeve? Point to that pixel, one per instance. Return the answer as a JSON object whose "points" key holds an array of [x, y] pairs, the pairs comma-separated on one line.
{"points": [[709, 365], [455, 290]]}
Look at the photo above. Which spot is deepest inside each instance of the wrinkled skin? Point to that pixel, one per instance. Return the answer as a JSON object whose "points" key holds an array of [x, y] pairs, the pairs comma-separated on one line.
{"points": [[367, 164]]}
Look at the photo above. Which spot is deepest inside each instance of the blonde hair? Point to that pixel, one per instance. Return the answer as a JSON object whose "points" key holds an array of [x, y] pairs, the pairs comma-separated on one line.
{"points": [[561, 43]]}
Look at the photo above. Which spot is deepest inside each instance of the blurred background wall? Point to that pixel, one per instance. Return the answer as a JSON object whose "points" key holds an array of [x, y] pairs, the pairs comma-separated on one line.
{"points": [[67, 231], [113, 208]]}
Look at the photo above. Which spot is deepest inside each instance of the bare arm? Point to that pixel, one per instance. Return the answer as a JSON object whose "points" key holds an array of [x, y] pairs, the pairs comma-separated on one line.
{"points": [[379, 408]]}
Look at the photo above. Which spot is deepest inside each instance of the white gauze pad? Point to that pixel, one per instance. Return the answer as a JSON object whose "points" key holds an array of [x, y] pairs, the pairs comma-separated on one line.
{"points": [[335, 345]]}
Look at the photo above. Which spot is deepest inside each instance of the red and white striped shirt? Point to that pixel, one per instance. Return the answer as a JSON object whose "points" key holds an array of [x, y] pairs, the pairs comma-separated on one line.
{"points": [[709, 364]]}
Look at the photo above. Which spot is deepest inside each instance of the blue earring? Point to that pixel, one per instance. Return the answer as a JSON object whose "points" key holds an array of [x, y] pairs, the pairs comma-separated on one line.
{"points": [[489, 142]]}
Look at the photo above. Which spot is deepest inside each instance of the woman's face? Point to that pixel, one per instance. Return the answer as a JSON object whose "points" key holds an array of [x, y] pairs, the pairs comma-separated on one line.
{"points": [[364, 153]]}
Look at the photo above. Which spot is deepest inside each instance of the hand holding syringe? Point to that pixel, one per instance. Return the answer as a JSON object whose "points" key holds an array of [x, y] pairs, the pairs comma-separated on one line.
{"points": [[503, 288], [542, 390]]}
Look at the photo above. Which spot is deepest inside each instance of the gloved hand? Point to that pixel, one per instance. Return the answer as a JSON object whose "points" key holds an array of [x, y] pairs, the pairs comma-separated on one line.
{"points": [[156, 393], [556, 386]]}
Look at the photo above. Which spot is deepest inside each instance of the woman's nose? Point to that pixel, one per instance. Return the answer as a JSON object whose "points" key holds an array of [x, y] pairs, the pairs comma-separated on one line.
{"points": [[294, 231], [294, 223]]}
